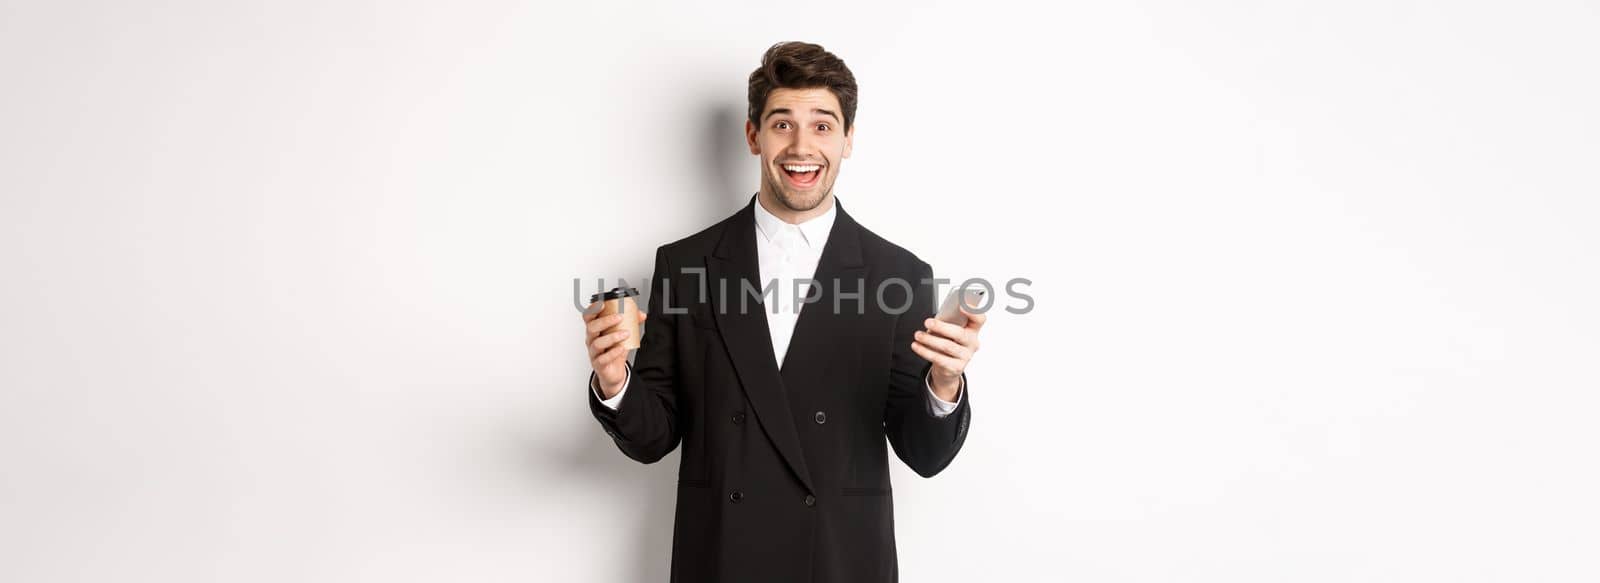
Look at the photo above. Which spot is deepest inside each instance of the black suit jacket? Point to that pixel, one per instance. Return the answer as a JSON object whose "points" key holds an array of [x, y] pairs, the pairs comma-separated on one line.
{"points": [[784, 475]]}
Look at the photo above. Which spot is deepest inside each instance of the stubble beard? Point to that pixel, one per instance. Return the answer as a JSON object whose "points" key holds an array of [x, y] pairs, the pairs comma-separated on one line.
{"points": [[798, 202]]}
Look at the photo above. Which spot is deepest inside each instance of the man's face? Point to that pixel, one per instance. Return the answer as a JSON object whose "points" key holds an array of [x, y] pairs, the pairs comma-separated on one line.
{"points": [[801, 141]]}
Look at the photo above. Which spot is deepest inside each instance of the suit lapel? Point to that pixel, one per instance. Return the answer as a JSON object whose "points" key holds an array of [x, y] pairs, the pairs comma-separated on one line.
{"points": [[819, 329], [745, 333]]}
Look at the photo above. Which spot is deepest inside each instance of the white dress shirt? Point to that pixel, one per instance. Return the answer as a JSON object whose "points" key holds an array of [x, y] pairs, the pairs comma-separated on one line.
{"points": [[789, 252]]}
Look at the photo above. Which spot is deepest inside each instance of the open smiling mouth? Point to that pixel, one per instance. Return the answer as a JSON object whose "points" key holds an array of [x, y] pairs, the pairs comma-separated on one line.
{"points": [[802, 175]]}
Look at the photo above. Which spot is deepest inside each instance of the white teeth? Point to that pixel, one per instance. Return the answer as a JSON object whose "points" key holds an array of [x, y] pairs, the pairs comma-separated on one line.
{"points": [[798, 168]]}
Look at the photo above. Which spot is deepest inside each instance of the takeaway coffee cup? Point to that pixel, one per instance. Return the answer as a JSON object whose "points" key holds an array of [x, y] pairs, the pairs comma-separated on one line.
{"points": [[620, 301]]}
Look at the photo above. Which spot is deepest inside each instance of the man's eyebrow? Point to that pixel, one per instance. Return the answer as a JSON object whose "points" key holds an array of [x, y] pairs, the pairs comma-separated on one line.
{"points": [[786, 110]]}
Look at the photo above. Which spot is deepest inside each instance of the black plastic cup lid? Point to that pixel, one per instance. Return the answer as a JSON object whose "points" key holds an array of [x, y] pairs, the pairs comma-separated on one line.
{"points": [[615, 293]]}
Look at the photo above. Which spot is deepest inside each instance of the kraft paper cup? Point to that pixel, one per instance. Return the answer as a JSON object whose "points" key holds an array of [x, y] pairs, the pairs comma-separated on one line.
{"points": [[620, 301]]}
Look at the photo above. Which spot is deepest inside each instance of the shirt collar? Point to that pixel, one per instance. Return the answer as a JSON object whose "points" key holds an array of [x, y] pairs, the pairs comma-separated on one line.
{"points": [[814, 231]]}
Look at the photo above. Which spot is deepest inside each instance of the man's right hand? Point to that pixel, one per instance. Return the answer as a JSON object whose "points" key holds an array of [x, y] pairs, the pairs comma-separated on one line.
{"points": [[607, 354]]}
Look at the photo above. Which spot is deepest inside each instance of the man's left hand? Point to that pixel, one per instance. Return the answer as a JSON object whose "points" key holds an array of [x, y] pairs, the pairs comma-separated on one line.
{"points": [[950, 348]]}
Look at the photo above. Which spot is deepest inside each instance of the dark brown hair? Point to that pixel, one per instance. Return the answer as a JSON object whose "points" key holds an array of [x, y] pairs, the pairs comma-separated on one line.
{"points": [[799, 65]]}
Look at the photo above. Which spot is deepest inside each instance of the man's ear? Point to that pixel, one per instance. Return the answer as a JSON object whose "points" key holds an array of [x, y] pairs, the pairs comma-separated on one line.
{"points": [[849, 140], [750, 137]]}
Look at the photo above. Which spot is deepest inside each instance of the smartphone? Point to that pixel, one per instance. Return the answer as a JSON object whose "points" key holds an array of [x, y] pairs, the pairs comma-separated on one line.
{"points": [[950, 311]]}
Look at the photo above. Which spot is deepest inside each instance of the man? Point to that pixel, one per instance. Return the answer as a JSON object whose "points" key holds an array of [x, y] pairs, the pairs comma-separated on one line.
{"points": [[784, 344]]}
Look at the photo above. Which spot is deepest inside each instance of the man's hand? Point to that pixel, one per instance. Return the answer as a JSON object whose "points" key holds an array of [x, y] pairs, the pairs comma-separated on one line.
{"points": [[950, 348], [607, 354]]}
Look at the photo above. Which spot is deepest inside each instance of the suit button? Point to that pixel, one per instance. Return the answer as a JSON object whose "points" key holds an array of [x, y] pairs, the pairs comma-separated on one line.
{"points": [[736, 496], [738, 418], [811, 500], [821, 418]]}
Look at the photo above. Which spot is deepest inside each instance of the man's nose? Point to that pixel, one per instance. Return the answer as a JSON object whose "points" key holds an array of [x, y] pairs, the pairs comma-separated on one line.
{"points": [[804, 147]]}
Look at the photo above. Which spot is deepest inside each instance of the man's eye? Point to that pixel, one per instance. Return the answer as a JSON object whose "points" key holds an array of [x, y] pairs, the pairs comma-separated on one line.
{"points": [[822, 127], [782, 125]]}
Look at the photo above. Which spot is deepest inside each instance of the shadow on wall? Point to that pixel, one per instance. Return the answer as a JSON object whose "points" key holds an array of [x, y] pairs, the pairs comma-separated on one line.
{"points": [[725, 162], [725, 183], [646, 541]]}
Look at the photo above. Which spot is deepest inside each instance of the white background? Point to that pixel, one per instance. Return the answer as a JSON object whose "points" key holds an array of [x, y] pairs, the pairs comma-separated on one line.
{"points": [[287, 287]]}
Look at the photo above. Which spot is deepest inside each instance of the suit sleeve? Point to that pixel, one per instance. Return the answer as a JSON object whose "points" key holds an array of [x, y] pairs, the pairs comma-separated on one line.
{"points": [[924, 441], [646, 425]]}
